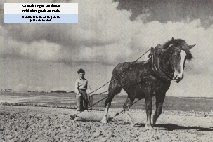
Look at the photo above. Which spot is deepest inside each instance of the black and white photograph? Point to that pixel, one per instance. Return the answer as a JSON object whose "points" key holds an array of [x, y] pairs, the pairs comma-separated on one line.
{"points": [[106, 71]]}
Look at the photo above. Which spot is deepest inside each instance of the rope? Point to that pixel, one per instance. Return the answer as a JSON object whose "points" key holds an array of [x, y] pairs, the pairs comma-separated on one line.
{"points": [[123, 110], [100, 99], [95, 102], [109, 81], [106, 91], [142, 55], [98, 88]]}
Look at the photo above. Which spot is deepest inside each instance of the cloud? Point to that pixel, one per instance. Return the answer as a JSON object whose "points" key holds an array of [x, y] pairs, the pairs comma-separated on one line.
{"points": [[97, 32], [101, 37], [193, 85], [106, 35], [41, 50], [154, 32]]}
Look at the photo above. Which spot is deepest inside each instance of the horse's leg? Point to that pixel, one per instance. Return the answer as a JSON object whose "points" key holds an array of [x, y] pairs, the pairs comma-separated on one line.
{"points": [[114, 88], [127, 105], [148, 102], [159, 105], [107, 106]]}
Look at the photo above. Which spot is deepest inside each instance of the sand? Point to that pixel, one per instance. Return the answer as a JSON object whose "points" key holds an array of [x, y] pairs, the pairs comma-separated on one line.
{"points": [[39, 124]]}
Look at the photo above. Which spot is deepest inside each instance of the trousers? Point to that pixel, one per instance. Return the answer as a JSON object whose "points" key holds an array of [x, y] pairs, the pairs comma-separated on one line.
{"points": [[83, 101]]}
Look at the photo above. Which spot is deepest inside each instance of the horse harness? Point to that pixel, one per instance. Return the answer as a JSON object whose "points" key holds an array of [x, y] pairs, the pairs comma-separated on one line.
{"points": [[155, 61]]}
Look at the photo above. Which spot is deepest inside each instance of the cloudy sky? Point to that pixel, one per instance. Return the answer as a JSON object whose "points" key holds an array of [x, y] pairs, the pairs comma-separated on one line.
{"points": [[47, 56]]}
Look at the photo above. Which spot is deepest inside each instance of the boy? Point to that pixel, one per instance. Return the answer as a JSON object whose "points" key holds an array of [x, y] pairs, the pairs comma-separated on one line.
{"points": [[81, 85]]}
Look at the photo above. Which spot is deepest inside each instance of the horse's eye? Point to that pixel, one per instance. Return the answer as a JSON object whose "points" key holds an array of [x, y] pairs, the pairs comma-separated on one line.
{"points": [[176, 54]]}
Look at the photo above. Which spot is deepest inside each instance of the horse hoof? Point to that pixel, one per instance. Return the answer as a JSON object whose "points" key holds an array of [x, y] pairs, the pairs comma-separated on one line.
{"points": [[154, 119], [77, 118], [104, 120], [148, 127], [132, 124]]}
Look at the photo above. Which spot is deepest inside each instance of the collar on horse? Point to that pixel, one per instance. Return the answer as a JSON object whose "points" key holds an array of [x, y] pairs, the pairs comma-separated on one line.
{"points": [[155, 61]]}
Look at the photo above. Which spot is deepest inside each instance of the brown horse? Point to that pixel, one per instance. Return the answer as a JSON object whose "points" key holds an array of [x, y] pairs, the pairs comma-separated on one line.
{"points": [[150, 78]]}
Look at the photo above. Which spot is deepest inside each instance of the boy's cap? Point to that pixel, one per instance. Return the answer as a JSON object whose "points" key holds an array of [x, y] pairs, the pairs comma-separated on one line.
{"points": [[81, 71]]}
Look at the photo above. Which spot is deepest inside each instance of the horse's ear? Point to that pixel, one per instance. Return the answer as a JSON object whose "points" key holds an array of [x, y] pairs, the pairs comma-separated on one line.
{"points": [[191, 46], [172, 39]]}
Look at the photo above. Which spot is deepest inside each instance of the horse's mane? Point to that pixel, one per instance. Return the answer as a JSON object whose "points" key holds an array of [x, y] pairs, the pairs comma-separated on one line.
{"points": [[175, 42], [178, 43]]}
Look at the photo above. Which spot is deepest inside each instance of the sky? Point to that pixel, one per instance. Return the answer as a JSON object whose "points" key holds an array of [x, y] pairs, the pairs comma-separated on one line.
{"points": [[47, 56]]}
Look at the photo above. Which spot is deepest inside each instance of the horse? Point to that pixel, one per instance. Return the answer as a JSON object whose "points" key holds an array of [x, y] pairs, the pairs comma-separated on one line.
{"points": [[153, 77]]}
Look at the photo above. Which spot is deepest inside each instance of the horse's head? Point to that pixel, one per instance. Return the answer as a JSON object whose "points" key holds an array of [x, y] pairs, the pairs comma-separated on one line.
{"points": [[179, 52]]}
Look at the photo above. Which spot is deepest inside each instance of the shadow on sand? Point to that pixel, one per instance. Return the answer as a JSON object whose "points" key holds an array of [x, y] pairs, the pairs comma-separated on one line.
{"points": [[171, 127], [168, 127]]}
